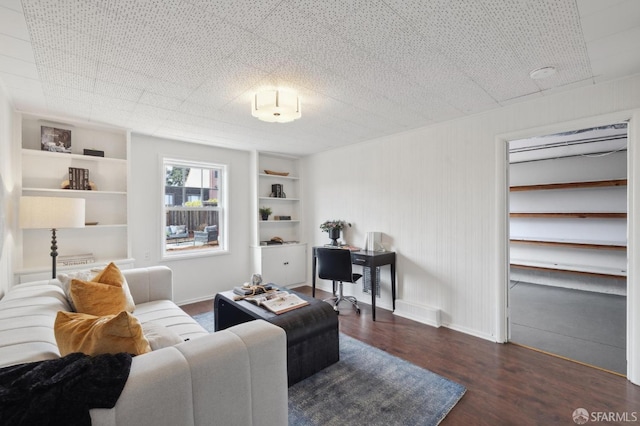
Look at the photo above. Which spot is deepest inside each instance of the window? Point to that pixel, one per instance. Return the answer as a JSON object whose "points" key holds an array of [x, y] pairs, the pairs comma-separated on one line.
{"points": [[194, 204]]}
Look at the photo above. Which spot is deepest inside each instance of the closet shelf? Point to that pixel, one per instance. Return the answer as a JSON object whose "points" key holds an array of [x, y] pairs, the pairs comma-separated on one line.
{"points": [[571, 244], [570, 185], [570, 215], [573, 269]]}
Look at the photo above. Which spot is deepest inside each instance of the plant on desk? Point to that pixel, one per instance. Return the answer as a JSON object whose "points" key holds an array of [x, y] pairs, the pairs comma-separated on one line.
{"points": [[333, 227]]}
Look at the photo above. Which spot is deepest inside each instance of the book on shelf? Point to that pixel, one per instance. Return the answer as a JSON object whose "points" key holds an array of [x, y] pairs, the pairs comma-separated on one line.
{"points": [[278, 302], [75, 259], [276, 191], [78, 178]]}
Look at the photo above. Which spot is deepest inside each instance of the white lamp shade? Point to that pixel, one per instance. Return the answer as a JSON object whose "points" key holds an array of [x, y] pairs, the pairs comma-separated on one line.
{"points": [[276, 106], [51, 212]]}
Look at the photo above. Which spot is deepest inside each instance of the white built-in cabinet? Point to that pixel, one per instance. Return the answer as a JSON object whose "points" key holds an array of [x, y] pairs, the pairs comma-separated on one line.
{"points": [[281, 264], [43, 172]]}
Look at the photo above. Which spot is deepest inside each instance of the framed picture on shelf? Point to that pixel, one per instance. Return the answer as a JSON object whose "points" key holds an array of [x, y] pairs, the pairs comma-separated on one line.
{"points": [[55, 140]]}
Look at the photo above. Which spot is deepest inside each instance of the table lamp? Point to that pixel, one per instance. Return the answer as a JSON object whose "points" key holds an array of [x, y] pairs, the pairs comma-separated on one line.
{"points": [[51, 213]]}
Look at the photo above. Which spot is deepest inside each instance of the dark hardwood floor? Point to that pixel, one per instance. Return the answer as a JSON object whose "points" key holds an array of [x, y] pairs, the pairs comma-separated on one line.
{"points": [[506, 384]]}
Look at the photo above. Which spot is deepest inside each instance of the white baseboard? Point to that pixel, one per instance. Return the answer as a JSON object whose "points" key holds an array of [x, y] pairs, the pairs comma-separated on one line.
{"points": [[472, 332], [195, 300], [431, 316], [420, 313]]}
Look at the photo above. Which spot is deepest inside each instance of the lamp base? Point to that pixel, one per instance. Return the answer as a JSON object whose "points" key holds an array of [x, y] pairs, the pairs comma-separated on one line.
{"points": [[54, 253]]}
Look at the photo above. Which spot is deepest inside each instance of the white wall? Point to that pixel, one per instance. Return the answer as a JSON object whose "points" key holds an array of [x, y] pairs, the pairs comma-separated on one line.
{"points": [[195, 278], [7, 193], [437, 194]]}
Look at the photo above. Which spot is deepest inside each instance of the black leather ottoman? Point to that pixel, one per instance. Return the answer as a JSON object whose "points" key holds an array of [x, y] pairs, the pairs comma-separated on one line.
{"points": [[312, 331]]}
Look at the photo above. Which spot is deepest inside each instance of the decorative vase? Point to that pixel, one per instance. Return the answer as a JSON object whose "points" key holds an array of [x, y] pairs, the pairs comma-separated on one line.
{"points": [[334, 234]]}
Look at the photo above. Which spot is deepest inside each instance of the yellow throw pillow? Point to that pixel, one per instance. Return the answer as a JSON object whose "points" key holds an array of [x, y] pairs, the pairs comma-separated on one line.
{"points": [[65, 280], [93, 335], [111, 275], [106, 294], [96, 298]]}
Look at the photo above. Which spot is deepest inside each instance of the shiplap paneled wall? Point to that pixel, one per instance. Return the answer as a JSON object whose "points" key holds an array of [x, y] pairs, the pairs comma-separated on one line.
{"points": [[432, 192]]}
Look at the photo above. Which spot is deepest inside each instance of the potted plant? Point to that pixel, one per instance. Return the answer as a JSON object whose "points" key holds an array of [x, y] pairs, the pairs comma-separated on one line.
{"points": [[212, 202], [333, 227], [265, 212]]}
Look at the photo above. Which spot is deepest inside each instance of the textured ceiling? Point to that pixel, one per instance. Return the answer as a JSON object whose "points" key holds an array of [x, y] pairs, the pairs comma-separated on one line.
{"points": [[187, 69]]}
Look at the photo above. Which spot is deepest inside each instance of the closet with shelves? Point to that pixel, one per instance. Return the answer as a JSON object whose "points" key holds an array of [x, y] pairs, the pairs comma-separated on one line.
{"points": [[44, 173], [277, 186], [572, 227]]}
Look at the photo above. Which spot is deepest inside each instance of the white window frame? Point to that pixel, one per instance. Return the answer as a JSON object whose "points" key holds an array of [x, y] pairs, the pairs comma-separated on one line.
{"points": [[222, 209]]}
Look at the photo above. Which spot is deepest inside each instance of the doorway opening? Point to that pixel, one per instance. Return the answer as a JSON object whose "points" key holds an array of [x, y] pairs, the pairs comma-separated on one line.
{"points": [[567, 245]]}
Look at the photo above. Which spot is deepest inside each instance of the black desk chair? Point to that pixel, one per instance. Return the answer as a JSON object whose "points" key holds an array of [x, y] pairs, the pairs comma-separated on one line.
{"points": [[335, 264]]}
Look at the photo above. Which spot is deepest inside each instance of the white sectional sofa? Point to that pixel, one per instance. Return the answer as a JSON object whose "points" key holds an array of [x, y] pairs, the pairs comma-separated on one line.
{"points": [[233, 377]]}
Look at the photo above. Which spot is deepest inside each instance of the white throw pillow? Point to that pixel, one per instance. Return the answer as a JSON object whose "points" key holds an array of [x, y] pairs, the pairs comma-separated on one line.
{"points": [[160, 336]]}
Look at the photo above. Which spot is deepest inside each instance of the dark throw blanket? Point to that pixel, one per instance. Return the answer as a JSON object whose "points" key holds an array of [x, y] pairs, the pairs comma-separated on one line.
{"points": [[61, 391]]}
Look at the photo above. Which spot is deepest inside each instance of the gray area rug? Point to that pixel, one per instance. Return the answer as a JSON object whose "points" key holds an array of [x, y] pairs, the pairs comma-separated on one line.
{"points": [[207, 320], [368, 386]]}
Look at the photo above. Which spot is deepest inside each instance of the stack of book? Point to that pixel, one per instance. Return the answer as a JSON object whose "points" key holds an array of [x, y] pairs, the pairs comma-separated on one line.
{"points": [[75, 259], [276, 191], [78, 178]]}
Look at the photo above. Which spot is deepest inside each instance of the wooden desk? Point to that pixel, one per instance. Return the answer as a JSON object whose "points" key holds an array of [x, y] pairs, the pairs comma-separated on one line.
{"points": [[371, 260]]}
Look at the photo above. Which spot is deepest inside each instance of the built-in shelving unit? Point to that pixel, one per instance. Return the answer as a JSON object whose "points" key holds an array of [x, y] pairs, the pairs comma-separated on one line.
{"points": [[288, 205], [283, 264], [106, 233], [577, 253]]}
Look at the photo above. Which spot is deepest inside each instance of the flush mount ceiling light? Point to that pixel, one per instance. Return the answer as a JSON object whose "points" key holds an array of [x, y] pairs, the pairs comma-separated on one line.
{"points": [[543, 72], [276, 106]]}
